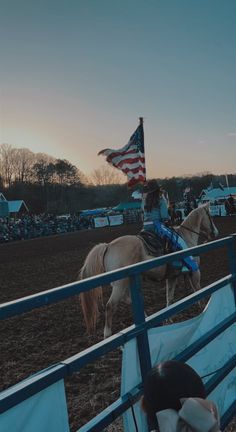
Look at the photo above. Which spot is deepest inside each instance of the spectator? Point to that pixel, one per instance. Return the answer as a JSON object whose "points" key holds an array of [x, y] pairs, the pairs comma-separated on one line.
{"points": [[231, 205], [174, 400]]}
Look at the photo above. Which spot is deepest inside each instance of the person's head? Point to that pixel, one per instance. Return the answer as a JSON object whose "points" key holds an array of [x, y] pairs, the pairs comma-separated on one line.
{"points": [[152, 193], [166, 384], [151, 186]]}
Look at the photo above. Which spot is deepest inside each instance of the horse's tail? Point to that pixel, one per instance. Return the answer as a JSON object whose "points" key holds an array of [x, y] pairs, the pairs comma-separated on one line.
{"points": [[93, 265]]}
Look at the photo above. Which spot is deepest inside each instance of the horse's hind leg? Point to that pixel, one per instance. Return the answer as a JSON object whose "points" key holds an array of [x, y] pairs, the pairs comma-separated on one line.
{"points": [[119, 292], [194, 279], [170, 290]]}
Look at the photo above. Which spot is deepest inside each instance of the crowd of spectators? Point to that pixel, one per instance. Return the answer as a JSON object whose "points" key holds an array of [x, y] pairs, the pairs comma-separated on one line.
{"points": [[132, 216], [31, 226], [28, 226]]}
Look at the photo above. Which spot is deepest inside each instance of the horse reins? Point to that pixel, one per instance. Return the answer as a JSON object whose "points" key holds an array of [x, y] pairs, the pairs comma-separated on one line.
{"points": [[201, 232], [191, 230]]}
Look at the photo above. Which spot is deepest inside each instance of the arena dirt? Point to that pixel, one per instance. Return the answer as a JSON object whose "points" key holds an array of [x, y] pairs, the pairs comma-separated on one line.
{"points": [[51, 334]]}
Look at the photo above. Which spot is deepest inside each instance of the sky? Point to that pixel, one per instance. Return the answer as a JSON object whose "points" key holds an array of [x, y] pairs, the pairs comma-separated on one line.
{"points": [[76, 75]]}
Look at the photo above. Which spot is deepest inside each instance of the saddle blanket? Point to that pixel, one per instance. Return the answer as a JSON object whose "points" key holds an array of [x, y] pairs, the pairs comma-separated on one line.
{"points": [[175, 241]]}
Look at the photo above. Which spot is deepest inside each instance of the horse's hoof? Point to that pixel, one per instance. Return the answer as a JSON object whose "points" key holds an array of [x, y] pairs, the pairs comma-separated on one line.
{"points": [[107, 333], [168, 321]]}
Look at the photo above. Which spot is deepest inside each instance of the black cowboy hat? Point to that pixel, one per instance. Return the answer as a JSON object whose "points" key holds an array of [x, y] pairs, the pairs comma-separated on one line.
{"points": [[151, 186]]}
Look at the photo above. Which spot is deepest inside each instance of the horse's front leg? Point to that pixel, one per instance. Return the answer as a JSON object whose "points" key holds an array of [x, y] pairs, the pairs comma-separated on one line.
{"points": [[195, 282], [108, 319]]}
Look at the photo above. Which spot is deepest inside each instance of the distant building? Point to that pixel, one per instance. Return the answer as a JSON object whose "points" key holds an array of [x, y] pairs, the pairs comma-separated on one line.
{"points": [[11, 208], [132, 205], [17, 206], [217, 194], [4, 207]]}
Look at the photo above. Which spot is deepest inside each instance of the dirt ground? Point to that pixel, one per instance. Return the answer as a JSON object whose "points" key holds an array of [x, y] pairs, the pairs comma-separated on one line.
{"points": [[50, 334]]}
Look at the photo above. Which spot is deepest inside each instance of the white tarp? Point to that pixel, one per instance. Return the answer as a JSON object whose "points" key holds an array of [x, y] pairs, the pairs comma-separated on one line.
{"points": [[44, 411], [116, 220], [168, 341], [218, 210], [101, 222]]}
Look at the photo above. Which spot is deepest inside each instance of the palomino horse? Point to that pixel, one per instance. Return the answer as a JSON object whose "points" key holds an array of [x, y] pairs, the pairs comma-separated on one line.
{"points": [[129, 249]]}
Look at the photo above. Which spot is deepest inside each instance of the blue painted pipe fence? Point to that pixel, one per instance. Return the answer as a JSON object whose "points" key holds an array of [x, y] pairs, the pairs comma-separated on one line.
{"points": [[138, 330]]}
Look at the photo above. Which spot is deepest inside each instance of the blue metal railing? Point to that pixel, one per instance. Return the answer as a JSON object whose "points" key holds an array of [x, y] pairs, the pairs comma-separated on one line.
{"points": [[24, 390]]}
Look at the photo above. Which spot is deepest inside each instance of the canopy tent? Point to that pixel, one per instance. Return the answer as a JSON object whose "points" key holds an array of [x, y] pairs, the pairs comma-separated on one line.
{"points": [[93, 212], [134, 205], [216, 194], [17, 206]]}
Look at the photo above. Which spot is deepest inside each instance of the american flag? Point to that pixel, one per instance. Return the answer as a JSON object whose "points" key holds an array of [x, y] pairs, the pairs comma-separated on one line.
{"points": [[130, 159]]}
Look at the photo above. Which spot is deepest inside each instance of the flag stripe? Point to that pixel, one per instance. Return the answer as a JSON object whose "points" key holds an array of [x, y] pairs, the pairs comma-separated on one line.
{"points": [[112, 154], [131, 162], [121, 151], [134, 170], [119, 161], [134, 181]]}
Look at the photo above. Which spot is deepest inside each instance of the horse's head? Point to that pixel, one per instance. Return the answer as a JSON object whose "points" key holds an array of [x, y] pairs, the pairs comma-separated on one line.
{"points": [[208, 227]]}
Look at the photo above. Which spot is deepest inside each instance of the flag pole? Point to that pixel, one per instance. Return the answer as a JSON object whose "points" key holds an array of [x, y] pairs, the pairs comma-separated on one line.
{"points": [[227, 181], [142, 201], [141, 124]]}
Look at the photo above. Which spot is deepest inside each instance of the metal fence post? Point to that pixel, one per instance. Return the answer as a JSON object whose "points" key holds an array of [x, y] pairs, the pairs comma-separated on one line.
{"points": [[139, 318], [232, 261]]}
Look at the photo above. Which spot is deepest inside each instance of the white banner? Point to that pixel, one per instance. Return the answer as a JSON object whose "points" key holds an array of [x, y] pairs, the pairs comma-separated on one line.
{"points": [[101, 222], [217, 210], [116, 219]]}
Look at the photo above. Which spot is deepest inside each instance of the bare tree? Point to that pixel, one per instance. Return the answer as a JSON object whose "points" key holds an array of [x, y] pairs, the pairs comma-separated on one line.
{"points": [[24, 162], [105, 175], [44, 157], [7, 163]]}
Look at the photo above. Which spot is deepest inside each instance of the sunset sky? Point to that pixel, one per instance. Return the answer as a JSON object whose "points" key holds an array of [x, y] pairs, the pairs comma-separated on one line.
{"points": [[76, 75]]}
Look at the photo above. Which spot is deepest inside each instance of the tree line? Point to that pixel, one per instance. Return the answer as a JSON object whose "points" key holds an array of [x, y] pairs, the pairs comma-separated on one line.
{"points": [[50, 185]]}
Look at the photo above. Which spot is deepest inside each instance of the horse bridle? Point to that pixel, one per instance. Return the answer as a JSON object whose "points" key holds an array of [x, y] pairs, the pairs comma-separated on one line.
{"points": [[201, 231]]}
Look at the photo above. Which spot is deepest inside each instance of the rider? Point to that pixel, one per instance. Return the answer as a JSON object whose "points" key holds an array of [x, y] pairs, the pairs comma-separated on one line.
{"points": [[156, 218], [155, 203]]}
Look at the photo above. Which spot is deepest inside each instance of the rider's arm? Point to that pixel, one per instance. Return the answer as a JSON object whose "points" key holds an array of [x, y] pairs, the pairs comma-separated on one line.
{"points": [[164, 209]]}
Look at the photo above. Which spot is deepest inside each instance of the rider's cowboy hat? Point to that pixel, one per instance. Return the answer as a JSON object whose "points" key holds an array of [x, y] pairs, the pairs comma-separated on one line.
{"points": [[151, 186]]}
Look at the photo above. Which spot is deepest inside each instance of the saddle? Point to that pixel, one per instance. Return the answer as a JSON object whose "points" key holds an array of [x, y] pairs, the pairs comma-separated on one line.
{"points": [[153, 245], [156, 247]]}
